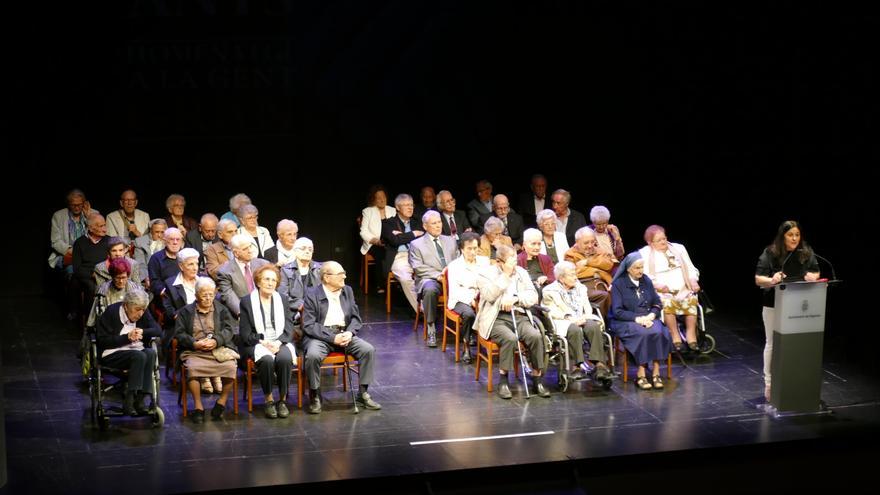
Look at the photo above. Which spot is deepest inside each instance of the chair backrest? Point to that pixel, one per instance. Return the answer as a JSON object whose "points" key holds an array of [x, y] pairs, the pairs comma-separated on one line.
{"points": [[444, 284]]}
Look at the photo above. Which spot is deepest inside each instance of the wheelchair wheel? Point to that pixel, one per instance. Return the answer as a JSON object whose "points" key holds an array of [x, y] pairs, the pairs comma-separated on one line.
{"points": [[707, 344], [563, 382], [157, 417]]}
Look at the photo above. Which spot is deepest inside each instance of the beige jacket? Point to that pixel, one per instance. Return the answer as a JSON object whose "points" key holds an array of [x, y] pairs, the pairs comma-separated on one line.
{"points": [[493, 284]]}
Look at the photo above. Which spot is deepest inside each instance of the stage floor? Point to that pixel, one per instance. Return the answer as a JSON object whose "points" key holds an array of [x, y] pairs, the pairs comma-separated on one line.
{"points": [[426, 397]]}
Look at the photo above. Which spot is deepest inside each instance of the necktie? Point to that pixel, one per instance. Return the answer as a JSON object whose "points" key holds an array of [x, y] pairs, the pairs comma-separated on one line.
{"points": [[248, 277], [440, 253], [506, 232], [452, 226]]}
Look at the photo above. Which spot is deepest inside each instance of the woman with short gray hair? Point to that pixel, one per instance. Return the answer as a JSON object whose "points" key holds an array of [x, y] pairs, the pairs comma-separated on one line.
{"points": [[607, 234], [260, 236], [493, 237], [176, 204]]}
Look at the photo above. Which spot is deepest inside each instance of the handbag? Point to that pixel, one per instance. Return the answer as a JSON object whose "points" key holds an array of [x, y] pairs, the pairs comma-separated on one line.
{"points": [[224, 353]]}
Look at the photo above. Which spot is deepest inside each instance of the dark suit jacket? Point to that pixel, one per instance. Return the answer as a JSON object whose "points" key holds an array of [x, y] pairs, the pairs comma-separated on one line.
{"points": [[247, 329], [173, 300], [392, 241], [315, 312], [161, 268], [419, 210], [109, 326], [477, 214], [271, 255], [461, 222], [183, 327], [194, 240], [515, 228], [292, 286], [526, 207], [576, 220]]}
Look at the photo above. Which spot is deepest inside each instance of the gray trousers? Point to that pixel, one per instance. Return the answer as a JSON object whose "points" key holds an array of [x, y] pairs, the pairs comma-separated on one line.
{"points": [[502, 334], [431, 291], [317, 350], [591, 332]]}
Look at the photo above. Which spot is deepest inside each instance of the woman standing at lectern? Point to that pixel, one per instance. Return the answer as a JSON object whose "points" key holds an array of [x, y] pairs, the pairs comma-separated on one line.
{"points": [[788, 258]]}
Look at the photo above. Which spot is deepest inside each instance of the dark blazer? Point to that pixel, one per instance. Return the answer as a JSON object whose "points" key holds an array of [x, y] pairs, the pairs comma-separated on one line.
{"points": [[248, 331], [626, 305], [292, 286], [419, 210], [515, 228], [173, 300], [543, 260], [161, 268], [109, 325], [526, 207], [315, 312], [576, 220], [194, 240], [271, 255], [183, 327], [393, 241], [477, 214], [461, 222], [231, 284]]}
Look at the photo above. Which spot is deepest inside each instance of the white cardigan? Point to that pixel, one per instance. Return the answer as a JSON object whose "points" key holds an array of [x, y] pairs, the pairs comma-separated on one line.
{"points": [[117, 224], [560, 245], [371, 225], [265, 238]]}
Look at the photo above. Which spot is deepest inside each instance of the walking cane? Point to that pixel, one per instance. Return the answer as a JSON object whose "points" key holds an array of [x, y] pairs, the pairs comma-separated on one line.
{"points": [[347, 371], [522, 359]]}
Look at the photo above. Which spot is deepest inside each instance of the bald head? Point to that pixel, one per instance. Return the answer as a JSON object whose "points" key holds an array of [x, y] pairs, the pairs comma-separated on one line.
{"points": [[501, 205]]}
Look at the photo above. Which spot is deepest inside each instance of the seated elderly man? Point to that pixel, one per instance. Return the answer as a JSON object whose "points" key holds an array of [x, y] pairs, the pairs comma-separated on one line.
{"points": [[493, 238], [124, 333], [428, 201], [573, 318], [128, 222], [88, 251], [116, 248], [462, 276], [539, 266], [513, 223], [235, 278], [567, 220], [299, 276], [282, 252], [479, 209], [397, 232], [201, 239], [455, 222], [150, 243], [163, 265], [220, 252], [428, 256], [68, 225], [331, 322], [505, 293], [593, 267]]}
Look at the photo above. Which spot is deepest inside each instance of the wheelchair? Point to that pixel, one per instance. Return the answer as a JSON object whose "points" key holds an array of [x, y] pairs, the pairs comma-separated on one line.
{"points": [[98, 391], [705, 341], [556, 349]]}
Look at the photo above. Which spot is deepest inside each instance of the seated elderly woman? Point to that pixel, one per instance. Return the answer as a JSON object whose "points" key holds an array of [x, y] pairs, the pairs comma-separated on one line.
{"points": [[176, 204], [553, 243], [260, 236], [675, 278], [124, 333], [150, 243], [113, 290], [573, 318], [493, 237], [635, 319], [539, 266], [266, 330], [180, 290], [204, 333], [607, 235]]}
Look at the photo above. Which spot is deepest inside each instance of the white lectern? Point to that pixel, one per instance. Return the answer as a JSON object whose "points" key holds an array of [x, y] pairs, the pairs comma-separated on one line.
{"points": [[797, 346]]}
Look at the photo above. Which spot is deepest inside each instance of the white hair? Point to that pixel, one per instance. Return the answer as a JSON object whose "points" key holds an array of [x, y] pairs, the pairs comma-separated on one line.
{"points": [[172, 198], [136, 298], [205, 282], [186, 254], [562, 267], [545, 215], [285, 223], [239, 240], [237, 201], [599, 214], [582, 232], [172, 230], [493, 224], [532, 235], [401, 198], [430, 214], [302, 242]]}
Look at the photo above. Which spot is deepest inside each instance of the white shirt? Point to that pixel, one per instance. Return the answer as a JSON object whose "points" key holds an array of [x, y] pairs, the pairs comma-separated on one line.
{"points": [[189, 290], [127, 327], [156, 246], [561, 223], [560, 245], [539, 203], [335, 316], [462, 277]]}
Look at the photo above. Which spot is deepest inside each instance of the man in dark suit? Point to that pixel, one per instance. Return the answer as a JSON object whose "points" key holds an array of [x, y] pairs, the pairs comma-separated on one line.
{"points": [[300, 276], [429, 202], [531, 203], [455, 222], [235, 277], [331, 322], [428, 256], [513, 223], [397, 232], [202, 238], [480, 209], [572, 220]]}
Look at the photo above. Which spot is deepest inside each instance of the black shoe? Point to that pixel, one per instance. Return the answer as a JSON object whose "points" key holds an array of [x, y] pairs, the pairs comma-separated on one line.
{"points": [[314, 402], [270, 410], [367, 402], [216, 411], [198, 416], [539, 386], [504, 390], [466, 357], [139, 406], [281, 408], [128, 405]]}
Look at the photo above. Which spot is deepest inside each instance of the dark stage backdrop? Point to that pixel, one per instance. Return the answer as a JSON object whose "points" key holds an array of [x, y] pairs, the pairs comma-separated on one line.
{"points": [[717, 122]]}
